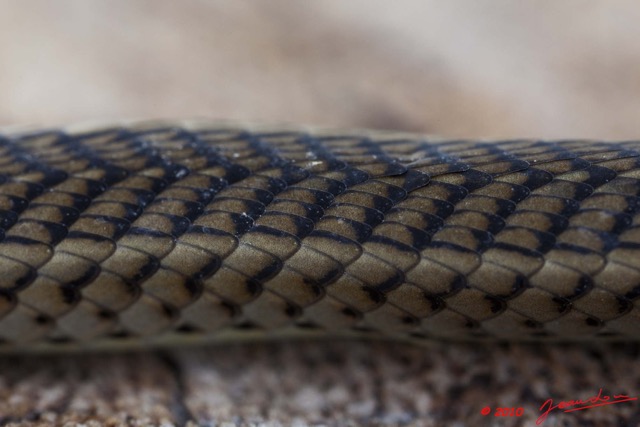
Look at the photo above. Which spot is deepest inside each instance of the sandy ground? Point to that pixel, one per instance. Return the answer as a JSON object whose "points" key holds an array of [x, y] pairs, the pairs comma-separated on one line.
{"points": [[494, 69]]}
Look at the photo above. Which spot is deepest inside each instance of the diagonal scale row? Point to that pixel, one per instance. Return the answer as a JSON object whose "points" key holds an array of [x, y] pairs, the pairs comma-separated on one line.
{"points": [[151, 233]]}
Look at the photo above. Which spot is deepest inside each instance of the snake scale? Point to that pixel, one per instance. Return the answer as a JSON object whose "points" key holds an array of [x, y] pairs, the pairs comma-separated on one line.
{"points": [[165, 232]]}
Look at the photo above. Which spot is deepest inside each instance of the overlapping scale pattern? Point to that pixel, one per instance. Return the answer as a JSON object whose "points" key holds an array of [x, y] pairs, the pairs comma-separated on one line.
{"points": [[148, 233]]}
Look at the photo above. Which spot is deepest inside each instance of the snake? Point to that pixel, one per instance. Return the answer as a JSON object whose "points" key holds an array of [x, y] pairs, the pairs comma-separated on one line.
{"points": [[179, 232]]}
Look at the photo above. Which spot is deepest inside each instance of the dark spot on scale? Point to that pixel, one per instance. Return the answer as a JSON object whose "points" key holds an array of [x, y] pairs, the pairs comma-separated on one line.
{"points": [[106, 315], [147, 269], [231, 308], [541, 334], [247, 326], [7, 219], [607, 334], [408, 320], [624, 305], [437, 303], [471, 324], [633, 293], [592, 321], [292, 311], [480, 334], [585, 284], [23, 281], [563, 304], [308, 325], [60, 340], [120, 335], [349, 312], [70, 295], [497, 305], [520, 283], [419, 335], [42, 319], [168, 310], [363, 329], [194, 287], [530, 323], [460, 282], [375, 294], [187, 329]]}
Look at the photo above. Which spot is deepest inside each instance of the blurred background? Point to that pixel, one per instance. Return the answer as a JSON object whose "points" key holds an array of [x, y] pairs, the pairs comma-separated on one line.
{"points": [[457, 68]]}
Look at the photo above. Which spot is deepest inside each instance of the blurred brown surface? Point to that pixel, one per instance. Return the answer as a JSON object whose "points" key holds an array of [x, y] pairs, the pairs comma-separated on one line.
{"points": [[456, 68]]}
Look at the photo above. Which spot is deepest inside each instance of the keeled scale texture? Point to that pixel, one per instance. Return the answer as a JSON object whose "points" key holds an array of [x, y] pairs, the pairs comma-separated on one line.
{"points": [[215, 232]]}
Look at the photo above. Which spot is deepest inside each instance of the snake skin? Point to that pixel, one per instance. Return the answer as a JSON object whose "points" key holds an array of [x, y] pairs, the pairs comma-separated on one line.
{"points": [[198, 231]]}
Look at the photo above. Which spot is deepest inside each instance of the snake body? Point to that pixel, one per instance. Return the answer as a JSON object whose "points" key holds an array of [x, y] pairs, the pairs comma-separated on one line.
{"points": [[162, 232]]}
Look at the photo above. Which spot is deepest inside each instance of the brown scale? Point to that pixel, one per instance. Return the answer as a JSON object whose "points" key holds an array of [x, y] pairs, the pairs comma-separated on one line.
{"points": [[497, 280], [337, 246], [447, 324], [407, 235], [614, 202], [278, 243], [436, 278], [538, 221], [415, 218], [208, 313], [414, 300], [470, 238], [553, 204], [150, 241], [474, 304], [525, 237], [402, 256], [582, 259], [564, 189], [424, 204], [350, 229], [233, 223], [625, 254], [55, 290], [12, 203], [31, 241], [601, 304], [148, 316], [296, 287], [171, 287], [16, 274], [585, 237], [217, 243], [355, 293], [475, 219], [539, 305], [112, 291], [87, 321], [390, 318], [498, 165], [295, 225], [510, 325], [24, 324], [305, 195], [435, 166], [270, 311], [331, 315], [386, 276]]}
